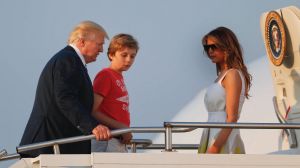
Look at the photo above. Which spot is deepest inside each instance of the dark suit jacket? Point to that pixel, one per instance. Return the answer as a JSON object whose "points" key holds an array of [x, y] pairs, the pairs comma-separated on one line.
{"points": [[62, 106]]}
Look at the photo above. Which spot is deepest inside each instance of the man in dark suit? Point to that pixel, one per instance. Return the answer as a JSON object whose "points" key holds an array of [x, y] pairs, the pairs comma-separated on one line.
{"points": [[64, 95]]}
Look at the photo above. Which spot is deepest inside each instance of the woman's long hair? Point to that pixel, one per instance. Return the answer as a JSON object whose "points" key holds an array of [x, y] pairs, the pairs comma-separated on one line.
{"points": [[228, 42]]}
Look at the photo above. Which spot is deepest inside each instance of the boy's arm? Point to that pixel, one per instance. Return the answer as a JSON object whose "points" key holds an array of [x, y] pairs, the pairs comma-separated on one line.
{"points": [[103, 118], [106, 120]]}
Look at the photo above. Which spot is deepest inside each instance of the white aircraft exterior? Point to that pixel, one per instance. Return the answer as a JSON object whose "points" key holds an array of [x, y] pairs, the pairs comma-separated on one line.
{"points": [[171, 72]]}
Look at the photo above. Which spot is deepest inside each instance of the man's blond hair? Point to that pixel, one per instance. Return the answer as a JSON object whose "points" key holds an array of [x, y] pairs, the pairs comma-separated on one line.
{"points": [[84, 30]]}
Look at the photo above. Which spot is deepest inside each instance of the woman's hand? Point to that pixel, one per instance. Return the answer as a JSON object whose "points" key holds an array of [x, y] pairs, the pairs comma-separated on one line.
{"points": [[213, 149]]}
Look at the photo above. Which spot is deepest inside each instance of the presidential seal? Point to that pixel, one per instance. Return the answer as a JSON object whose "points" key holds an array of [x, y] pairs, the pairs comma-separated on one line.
{"points": [[275, 38]]}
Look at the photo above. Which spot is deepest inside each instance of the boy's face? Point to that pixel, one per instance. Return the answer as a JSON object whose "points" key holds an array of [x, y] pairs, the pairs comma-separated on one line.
{"points": [[123, 59]]}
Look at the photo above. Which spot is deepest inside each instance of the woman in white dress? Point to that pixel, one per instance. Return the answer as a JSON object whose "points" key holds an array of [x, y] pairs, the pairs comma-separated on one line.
{"points": [[225, 97]]}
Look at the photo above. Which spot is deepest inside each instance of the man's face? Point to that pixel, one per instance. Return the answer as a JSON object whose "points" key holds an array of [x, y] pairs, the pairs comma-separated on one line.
{"points": [[92, 47]]}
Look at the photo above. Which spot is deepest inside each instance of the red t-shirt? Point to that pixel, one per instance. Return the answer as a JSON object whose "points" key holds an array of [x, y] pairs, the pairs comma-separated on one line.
{"points": [[111, 86]]}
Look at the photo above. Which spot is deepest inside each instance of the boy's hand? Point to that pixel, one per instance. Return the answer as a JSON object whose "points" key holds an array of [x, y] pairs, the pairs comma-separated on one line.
{"points": [[126, 138]]}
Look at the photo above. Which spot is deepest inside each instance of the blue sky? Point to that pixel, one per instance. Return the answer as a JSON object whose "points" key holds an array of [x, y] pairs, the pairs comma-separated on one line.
{"points": [[170, 68]]}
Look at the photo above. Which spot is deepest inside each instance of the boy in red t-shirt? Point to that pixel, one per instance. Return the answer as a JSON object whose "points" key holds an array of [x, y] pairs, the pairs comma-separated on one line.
{"points": [[111, 101]]}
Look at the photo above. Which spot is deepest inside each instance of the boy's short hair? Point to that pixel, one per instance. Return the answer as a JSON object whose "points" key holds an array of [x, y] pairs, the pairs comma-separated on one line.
{"points": [[120, 41]]}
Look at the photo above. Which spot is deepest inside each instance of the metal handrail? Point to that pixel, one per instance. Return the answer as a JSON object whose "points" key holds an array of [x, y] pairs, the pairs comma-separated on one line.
{"points": [[232, 125], [170, 125], [174, 146], [188, 125], [29, 147], [139, 142], [57, 142], [3, 153], [10, 157], [168, 129]]}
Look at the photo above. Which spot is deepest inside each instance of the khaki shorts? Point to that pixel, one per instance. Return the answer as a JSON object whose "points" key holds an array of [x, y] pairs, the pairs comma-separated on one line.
{"points": [[112, 145]]}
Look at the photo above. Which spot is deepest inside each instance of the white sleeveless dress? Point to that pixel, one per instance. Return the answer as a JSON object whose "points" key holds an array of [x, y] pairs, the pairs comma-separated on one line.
{"points": [[215, 102]]}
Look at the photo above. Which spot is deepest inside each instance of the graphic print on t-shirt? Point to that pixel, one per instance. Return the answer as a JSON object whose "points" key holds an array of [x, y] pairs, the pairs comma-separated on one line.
{"points": [[121, 85], [111, 86], [123, 99]]}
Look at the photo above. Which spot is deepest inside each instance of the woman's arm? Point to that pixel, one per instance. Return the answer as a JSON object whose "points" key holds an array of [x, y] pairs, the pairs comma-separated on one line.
{"points": [[232, 84]]}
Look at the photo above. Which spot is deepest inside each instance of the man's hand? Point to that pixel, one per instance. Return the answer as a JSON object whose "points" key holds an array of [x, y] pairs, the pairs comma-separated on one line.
{"points": [[101, 132]]}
